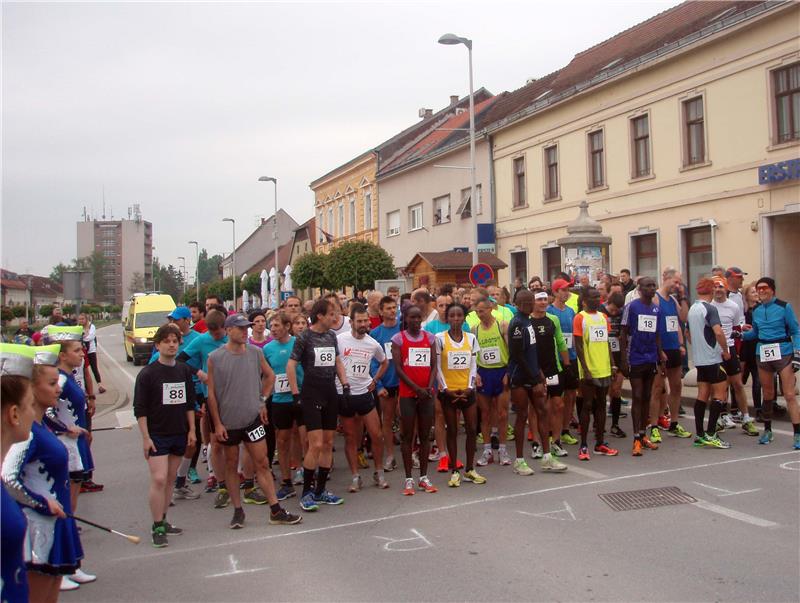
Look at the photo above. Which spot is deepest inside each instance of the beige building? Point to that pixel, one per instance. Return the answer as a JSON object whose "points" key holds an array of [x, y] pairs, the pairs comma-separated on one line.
{"points": [[668, 130]]}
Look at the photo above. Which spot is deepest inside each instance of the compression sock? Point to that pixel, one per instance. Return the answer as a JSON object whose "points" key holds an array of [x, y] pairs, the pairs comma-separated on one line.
{"points": [[767, 425], [322, 477], [713, 415], [183, 471], [699, 416], [308, 480], [275, 508], [796, 427]]}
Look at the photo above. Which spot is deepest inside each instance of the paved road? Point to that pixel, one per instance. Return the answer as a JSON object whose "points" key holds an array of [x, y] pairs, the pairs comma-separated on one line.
{"points": [[540, 538]]}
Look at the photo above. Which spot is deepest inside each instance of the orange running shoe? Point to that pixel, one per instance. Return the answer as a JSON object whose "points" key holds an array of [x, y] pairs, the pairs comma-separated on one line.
{"points": [[637, 448], [648, 444], [664, 422], [444, 464], [409, 487]]}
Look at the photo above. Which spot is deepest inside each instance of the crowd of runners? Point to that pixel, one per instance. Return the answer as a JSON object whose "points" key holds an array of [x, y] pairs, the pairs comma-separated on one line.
{"points": [[255, 401]]}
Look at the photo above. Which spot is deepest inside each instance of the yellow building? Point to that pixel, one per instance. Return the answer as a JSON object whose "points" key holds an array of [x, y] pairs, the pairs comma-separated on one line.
{"points": [[682, 133]]}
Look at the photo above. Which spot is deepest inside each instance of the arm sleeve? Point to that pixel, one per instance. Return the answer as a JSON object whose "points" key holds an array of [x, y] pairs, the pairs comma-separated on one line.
{"points": [[18, 456], [140, 397], [712, 316], [516, 349], [191, 355], [298, 349]]}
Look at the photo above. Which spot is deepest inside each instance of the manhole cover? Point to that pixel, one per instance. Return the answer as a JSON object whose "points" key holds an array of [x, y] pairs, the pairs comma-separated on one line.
{"points": [[646, 499]]}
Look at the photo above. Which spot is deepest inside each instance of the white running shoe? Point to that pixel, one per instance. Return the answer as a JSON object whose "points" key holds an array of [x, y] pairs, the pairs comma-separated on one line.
{"points": [[389, 464], [67, 584], [485, 458], [82, 577], [505, 459]]}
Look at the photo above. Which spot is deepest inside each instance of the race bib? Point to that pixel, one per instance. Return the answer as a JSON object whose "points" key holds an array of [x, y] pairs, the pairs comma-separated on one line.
{"points": [[647, 324], [552, 380], [769, 352], [420, 357], [598, 334], [259, 433], [614, 344], [672, 324], [324, 357], [490, 355], [357, 368], [531, 335], [282, 384], [457, 361], [568, 339], [173, 393], [387, 347]]}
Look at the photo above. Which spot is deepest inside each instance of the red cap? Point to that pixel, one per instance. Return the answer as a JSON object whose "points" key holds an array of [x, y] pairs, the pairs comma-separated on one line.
{"points": [[559, 284]]}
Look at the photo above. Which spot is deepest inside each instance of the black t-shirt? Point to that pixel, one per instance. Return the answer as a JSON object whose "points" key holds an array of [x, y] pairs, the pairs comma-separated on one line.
{"points": [[164, 394], [546, 341], [316, 353], [614, 321]]}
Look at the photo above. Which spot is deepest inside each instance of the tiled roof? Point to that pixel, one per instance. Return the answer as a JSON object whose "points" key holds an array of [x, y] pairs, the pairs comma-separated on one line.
{"points": [[457, 260], [42, 284], [284, 255], [10, 283]]}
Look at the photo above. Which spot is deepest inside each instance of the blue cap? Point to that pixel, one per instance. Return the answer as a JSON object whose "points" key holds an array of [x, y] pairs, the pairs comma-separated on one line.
{"points": [[180, 312]]}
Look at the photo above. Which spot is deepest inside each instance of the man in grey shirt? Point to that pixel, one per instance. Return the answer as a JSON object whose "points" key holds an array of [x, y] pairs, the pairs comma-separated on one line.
{"points": [[239, 381]]}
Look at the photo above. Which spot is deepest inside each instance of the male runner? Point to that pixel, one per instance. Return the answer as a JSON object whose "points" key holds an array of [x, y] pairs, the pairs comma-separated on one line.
{"points": [[387, 387], [198, 311], [357, 409], [341, 322], [613, 310], [292, 306], [374, 308], [566, 316], [239, 380]]}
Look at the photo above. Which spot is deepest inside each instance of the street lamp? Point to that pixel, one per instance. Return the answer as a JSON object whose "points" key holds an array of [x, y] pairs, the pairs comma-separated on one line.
{"points": [[196, 266], [275, 234], [180, 257], [451, 39], [233, 259]]}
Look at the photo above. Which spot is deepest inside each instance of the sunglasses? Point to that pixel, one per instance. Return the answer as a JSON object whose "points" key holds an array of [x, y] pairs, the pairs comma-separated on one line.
{"points": [[763, 288]]}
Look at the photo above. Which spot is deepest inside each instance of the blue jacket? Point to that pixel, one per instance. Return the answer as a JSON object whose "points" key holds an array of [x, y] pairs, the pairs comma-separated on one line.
{"points": [[775, 322]]}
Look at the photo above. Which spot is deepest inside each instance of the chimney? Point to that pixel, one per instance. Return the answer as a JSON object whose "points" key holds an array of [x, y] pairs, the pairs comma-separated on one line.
{"points": [[453, 99], [424, 113]]}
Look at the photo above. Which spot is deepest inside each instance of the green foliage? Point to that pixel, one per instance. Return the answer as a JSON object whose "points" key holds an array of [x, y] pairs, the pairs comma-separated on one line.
{"points": [[253, 284], [19, 311], [137, 283], [310, 271], [57, 273], [68, 309], [91, 309], [223, 289], [168, 279], [6, 313], [94, 262], [208, 267], [46, 311], [358, 264]]}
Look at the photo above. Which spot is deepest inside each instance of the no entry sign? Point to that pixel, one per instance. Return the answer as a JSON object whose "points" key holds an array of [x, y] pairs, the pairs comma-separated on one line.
{"points": [[480, 274]]}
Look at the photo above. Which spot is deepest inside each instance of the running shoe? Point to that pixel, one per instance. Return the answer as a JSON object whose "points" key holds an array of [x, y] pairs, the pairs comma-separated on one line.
{"points": [[536, 451], [521, 467], [557, 450], [159, 538], [308, 502], [583, 453], [530, 435], [254, 496], [569, 439], [444, 464], [655, 435], [479, 439], [434, 454], [714, 441], [415, 459], [614, 431], [89, 486], [700, 441], [67, 584], [185, 493], [681, 411], [193, 477], [663, 422], [505, 459], [720, 424], [237, 521], [297, 480], [649, 444], [573, 422], [766, 437], [455, 479], [171, 531], [356, 483], [380, 481], [286, 491], [474, 477], [362, 460], [678, 431], [637, 447], [283, 517], [796, 444], [222, 499], [552, 464], [211, 484], [729, 424], [736, 416], [509, 433], [408, 489], [749, 427], [605, 450], [425, 484], [389, 464], [329, 498], [204, 453], [485, 458]]}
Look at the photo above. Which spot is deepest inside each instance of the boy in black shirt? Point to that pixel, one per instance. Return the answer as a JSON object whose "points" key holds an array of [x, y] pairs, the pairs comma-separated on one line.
{"points": [[163, 403]]}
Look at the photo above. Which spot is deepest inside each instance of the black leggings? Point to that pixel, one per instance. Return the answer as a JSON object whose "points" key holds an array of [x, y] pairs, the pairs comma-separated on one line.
{"points": [[93, 366], [594, 401]]}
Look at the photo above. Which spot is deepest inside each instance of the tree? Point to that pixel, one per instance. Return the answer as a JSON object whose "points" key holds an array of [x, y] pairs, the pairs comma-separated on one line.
{"points": [[358, 264], [57, 273], [95, 262], [168, 279], [208, 267], [309, 271], [137, 282]]}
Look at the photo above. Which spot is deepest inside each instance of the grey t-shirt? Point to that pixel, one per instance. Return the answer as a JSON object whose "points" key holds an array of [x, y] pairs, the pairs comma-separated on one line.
{"points": [[705, 349], [316, 353], [237, 385]]}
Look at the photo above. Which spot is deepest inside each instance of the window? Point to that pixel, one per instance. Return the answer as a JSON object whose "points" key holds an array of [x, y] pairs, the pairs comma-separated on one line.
{"points": [[520, 192], [645, 255], [415, 217], [441, 210], [787, 103], [596, 171], [695, 152], [330, 221], [393, 223], [698, 253], [320, 226], [519, 266], [551, 172], [552, 262], [367, 210], [465, 207], [340, 232], [640, 142], [352, 215]]}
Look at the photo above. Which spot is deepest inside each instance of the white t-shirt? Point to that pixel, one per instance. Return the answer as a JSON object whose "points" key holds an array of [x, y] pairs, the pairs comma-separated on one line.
{"points": [[345, 326], [91, 339], [356, 355], [730, 315]]}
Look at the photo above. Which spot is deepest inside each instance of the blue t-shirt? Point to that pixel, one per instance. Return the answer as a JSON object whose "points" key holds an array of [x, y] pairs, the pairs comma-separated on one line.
{"points": [[643, 322], [383, 335], [669, 323], [567, 318], [437, 326], [198, 351], [277, 355]]}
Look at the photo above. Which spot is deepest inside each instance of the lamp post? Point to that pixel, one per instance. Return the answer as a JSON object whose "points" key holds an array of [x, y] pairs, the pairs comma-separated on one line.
{"points": [[451, 39], [196, 267], [180, 257], [275, 234], [233, 259], [152, 268]]}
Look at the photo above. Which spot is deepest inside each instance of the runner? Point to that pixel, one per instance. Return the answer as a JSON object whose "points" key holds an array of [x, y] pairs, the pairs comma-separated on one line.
{"points": [[198, 311], [387, 387], [164, 404], [457, 369], [237, 374], [642, 357], [341, 322], [414, 358], [776, 330], [258, 336], [595, 369], [374, 308], [316, 351], [613, 310], [528, 384], [566, 316], [357, 409], [493, 392], [709, 349], [90, 345], [292, 306]]}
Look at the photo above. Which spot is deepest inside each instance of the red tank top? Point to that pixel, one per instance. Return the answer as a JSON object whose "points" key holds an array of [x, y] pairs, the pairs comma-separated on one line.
{"points": [[416, 363]]}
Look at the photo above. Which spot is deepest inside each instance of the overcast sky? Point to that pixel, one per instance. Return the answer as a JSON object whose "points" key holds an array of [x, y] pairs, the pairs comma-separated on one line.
{"points": [[180, 107]]}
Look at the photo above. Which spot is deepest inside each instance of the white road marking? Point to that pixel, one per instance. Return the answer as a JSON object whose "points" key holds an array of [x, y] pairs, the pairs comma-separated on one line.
{"points": [[423, 543], [791, 466], [580, 470], [110, 358], [235, 569], [727, 492], [458, 505], [552, 514], [738, 515]]}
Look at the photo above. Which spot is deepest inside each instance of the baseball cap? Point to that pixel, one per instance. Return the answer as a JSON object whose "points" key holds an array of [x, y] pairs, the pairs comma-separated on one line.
{"points": [[237, 320], [180, 312], [734, 270], [718, 280], [540, 295], [559, 284]]}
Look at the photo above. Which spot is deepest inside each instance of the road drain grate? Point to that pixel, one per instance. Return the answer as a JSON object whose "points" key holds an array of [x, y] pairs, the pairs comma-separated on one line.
{"points": [[646, 499]]}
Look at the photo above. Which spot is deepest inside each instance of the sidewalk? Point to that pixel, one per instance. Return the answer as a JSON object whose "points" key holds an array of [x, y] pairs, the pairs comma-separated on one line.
{"points": [[118, 394]]}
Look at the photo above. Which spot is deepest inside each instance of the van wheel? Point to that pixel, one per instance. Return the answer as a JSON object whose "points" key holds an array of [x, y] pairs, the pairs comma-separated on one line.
{"points": [[128, 357]]}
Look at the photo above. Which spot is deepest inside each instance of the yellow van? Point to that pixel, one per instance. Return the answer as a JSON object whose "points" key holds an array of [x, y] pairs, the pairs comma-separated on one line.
{"points": [[145, 315]]}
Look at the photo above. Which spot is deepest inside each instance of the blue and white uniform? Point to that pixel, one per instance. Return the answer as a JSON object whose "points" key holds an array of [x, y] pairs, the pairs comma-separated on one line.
{"points": [[12, 561], [71, 412]]}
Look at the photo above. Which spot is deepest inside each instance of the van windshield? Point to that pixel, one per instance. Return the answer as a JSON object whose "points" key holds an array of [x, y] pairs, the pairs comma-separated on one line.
{"points": [[143, 320]]}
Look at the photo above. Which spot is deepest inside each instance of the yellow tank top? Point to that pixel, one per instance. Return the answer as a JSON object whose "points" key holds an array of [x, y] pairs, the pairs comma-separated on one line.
{"points": [[494, 349], [595, 344], [455, 360]]}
